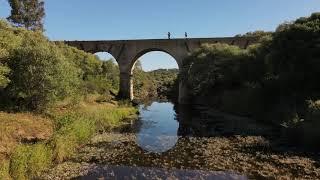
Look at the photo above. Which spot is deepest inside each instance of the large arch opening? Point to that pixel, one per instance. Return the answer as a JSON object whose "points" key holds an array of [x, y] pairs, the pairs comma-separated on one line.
{"points": [[154, 76], [104, 80]]}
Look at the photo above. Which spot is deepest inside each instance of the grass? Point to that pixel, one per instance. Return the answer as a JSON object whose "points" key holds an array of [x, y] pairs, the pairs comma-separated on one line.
{"points": [[15, 127], [76, 126], [72, 131], [68, 128], [4, 170], [28, 161]]}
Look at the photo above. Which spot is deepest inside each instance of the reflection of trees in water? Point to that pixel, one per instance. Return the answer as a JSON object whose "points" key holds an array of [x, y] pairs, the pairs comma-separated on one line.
{"points": [[201, 121], [184, 114]]}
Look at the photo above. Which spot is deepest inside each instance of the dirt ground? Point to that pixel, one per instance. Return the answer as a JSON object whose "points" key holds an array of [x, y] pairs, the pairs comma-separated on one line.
{"points": [[22, 127]]}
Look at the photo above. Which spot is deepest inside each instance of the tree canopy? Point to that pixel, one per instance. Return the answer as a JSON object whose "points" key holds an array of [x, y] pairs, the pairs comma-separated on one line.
{"points": [[27, 13]]}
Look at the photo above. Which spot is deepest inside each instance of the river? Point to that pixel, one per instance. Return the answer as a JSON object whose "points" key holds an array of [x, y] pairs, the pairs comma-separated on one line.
{"points": [[182, 142]]}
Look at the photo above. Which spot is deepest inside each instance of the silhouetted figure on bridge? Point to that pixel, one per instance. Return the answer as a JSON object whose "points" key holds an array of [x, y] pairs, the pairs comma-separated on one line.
{"points": [[186, 35], [169, 35]]}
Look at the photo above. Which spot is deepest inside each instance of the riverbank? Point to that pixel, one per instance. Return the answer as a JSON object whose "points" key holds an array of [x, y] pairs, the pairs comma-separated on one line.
{"points": [[67, 128]]}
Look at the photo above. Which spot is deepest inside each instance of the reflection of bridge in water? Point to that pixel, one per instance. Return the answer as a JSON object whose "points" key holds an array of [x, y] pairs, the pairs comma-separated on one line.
{"points": [[127, 52]]}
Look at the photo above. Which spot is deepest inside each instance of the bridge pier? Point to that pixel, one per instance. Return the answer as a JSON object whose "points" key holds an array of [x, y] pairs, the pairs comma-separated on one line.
{"points": [[126, 89], [126, 86], [184, 97]]}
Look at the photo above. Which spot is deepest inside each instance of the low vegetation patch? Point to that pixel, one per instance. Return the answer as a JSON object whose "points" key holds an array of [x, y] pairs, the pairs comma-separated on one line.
{"points": [[17, 127], [28, 161], [64, 134]]}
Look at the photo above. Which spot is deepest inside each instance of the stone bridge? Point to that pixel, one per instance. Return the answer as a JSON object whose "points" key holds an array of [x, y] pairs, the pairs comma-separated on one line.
{"points": [[127, 52]]}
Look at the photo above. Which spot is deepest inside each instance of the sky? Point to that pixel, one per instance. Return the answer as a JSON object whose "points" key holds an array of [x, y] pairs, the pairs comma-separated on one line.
{"points": [[152, 19]]}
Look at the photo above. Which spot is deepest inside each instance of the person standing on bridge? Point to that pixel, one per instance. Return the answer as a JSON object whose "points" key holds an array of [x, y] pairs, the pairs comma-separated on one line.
{"points": [[186, 35], [169, 35]]}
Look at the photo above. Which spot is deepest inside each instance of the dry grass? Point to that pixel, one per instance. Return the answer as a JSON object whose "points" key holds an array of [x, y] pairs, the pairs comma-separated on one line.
{"points": [[21, 126], [69, 127]]}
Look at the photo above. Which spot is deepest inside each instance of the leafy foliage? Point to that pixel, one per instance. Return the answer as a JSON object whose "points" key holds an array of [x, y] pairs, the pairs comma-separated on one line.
{"points": [[280, 73], [213, 66], [41, 75], [255, 34], [161, 83], [36, 73], [294, 58], [27, 13]]}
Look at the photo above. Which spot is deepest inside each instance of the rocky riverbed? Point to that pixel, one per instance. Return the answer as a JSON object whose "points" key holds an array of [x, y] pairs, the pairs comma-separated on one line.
{"points": [[117, 156]]}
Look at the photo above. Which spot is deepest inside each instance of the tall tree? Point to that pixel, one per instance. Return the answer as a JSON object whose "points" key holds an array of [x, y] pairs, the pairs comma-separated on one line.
{"points": [[27, 13]]}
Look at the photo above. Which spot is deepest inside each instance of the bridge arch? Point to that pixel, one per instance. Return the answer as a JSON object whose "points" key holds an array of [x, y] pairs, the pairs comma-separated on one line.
{"points": [[150, 50], [126, 82], [104, 55]]}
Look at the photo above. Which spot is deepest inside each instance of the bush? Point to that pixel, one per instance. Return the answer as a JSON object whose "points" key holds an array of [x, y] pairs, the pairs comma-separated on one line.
{"points": [[294, 57], [36, 73], [214, 66], [40, 74], [8, 41], [284, 65], [97, 84]]}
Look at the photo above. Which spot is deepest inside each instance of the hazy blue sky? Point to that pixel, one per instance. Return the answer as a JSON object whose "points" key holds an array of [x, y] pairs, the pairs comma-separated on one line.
{"points": [[148, 19]]}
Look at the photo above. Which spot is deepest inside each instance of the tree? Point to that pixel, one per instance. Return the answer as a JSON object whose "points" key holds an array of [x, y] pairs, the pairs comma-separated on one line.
{"points": [[27, 13], [41, 75], [294, 56], [8, 41]]}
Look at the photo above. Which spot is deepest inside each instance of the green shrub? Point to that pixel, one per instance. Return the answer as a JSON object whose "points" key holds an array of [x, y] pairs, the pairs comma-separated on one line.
{"points": [[40, 74], [213, 66], [8, 41], [97, 84], [294, 57], [36, 73]]}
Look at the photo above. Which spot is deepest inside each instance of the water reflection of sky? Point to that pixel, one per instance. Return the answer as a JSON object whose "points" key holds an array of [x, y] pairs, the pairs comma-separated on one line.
{"points": [[158, 132]]}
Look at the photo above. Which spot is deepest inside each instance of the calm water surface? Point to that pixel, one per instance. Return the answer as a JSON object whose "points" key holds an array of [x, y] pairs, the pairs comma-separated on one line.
{"points": [[159, 127]]}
